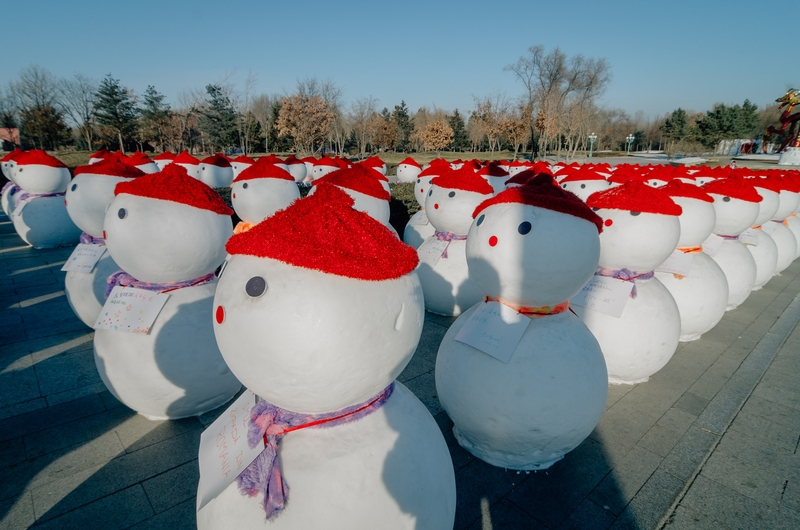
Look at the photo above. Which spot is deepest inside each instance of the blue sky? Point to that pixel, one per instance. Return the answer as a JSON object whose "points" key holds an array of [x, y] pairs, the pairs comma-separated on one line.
{"points": [[663, 55]]}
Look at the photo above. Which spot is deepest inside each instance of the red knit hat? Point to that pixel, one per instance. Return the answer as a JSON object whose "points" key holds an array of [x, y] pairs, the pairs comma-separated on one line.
{"points": [[676, 188], [582, 174], [110, 166], [625, 172], [410, 162], [541, 167], [524, 176], [635, 196], [463, 179], [38, 157], [166, 155], [358, 178], [272, 159], [137, 159], [244, 159], [102, 153], [373, 161], [492, 170], [263, 170], [216, 160], [734, 186], [12, 155], [174, 184], [543, 191], [518, 163], [309, 159], [326, 161], [434, 171], [341, 241], [185, 158], [292, 160]]}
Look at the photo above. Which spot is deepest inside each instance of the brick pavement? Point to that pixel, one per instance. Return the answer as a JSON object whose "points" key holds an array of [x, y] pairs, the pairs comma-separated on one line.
{"points": [[706, 443]]}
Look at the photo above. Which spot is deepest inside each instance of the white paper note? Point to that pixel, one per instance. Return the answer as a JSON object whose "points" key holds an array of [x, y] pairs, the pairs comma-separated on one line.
{"points": [[678, 262], [84, 258], [604, 294], [749, 237], [494, 329], [224, 451], [431, 250], [131, 310], [712, 244]]}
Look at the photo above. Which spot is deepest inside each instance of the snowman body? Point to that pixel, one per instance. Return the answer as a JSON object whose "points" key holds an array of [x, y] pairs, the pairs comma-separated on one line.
{"points": [[584, 188], [418, 229], [298, 170], [43, 222], [7, 198], [786, 243], [793, 224], [702, 294], [529, 412], [765, 252], [643, 339], [176, 369]]}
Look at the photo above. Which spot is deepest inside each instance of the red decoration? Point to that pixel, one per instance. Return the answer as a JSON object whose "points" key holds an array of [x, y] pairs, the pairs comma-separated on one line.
{"points": [[358, 178], [323, 232], [216, 160], [492, 170], [111, 166], [263, 170], [102, 153], [166, 155], [38, 157], [463, 179], [635, 196], [12, 155], [734, 186], [582, 174], [410, 162], [676, 188], [185, 158]]}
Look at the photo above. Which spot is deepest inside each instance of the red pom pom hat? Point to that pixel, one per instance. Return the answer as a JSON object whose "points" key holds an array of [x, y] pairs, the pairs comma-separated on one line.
{"points": [[358, 178], [735, 187], [463, 179], [37, 157], [635, 196], [264, 170], [110, 166], [676, 188]]}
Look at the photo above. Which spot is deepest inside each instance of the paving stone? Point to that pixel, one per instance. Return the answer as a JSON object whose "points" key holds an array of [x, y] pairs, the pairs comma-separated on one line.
{"points": [[39, 420], [424, 387], [676, 420], [748, 480], [692, 403], [75, 393], [67, 371], [504, 514], [118, 510], [109, 400], [137, 432], [41, 348], [479, 483], [726, 506], [18, 386], [173, 487], [180, 517], [73, 433], [12, 452], [786, 416], [424, 359], [690, 451], [708, 384], [726, 404], [17, 512], [617, 489], [617, 392], [765, 430], [687, 519], [588, 515], [778, 461], [659, 441], [11, 334], [22, 408], [651, 503]]}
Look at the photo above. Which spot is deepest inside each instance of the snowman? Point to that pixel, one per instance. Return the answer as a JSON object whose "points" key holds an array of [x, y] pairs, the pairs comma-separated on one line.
{"points": [[584, 182], [408, 170], [9, 188], [779, 227], [167, 231], [375, 163], [790, 201], [189, 163], [419, 228], [275, 160], [641, 231], [163, 160], [37, 207], [87, 198], [297, 168], [522, 177], [365, 186], [98, 156], [530, 249], [763, 247], [240, 163], [518, 166], [322, 167], [701, 292], [215, 171], [379, 459], [143, 163], [259, 191], [736, 205], [495, 175], [452, 197]]}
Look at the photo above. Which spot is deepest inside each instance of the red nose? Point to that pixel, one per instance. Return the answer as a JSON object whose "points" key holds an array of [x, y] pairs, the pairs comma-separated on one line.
{"points": [[65, 202], [435, 206], [234, 195], [104, 235], [492, 241], [608, 222], [220, 315]]}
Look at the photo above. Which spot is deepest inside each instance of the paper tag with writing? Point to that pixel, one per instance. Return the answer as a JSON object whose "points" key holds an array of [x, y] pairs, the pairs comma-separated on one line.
{"points": [[84, 258], [423, 219], [769, 227], [224, 451], [712, 244], [604, 294], [749, 237], [131, 310], [495, 329], [678, 262], [431, 250]]}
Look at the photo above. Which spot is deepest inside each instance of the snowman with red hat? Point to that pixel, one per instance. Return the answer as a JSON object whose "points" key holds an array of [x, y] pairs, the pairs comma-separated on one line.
{"points": [[215, 171], [164, 159], [259, 191], [526, 403], [345, 445], [408, 170], [365, 185], [452, 197], [584, 181], [87, 199], [419, 228], [9, 188], [641, 229], [240, 163], [174, 369], [188, 162], [37, 207]]}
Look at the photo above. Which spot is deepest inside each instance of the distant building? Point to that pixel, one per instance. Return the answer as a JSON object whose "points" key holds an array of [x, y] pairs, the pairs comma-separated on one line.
{"points": [[9, 138], [741, 147]]}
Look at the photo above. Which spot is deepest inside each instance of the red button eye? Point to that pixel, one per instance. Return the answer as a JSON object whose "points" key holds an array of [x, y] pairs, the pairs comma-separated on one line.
{"points": [[220, 315]]}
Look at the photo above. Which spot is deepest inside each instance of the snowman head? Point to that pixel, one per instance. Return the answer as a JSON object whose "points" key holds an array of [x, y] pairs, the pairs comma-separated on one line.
{"points": [[240, 163], [142, 162], [736, 203], [261, 190], [453, 197], [215, 171], [770, 192], [495, 175], [37, 172], [521, 177], [408, 170], [584, 182], [189, 163], [423, 182], [641, 226], [533, 245], [164, 159], [319, 306], [92, 190], [167, 227], [790, 193], [5, 162], [697, 217], [99, 155], [365, 186]]}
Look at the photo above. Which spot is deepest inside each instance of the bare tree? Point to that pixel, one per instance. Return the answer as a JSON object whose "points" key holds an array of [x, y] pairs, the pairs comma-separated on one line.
{"points": [[361, 113], [437, 133], [492, 114], [189, 104], [306, 119], [77, 101], [261, 108]]}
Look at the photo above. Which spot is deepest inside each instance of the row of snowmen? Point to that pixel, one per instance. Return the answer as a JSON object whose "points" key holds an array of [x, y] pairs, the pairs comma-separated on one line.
{"points": [[508, 249]]}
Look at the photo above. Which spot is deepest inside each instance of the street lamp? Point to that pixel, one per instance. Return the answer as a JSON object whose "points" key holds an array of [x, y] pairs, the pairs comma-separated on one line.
{"points": [[629, 140], [592, 139]]}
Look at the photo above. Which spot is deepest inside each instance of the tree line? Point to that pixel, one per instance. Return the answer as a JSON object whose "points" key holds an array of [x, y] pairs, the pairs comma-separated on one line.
{"points": [[555, 114]]}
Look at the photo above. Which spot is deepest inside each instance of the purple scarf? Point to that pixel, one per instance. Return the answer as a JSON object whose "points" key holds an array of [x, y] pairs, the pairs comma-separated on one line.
{"points": [[626, 275], [91, 240], [7, 185], [447, 236], [126, 280], [25, 196], [729, 238], [271, 423]]}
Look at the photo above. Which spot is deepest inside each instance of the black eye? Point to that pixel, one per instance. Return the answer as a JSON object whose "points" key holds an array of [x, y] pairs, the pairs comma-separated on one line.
{"points": [[122, 213], [726, 199], [418, 181], [583, 186], [20, 169], [524, 227], [595, 209], [244, 186], [564, 186], [74, 186], [480, 219], [255, 286], [430, 193], [451, 194], [635, 213]]}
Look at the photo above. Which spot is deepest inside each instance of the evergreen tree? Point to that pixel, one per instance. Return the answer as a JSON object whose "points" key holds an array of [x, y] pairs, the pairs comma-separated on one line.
{"points": [[727, 123], [403, 120], [155, 116], [676, 126], [460, 136], [44, 127], [115, 110], [218, 119]]}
